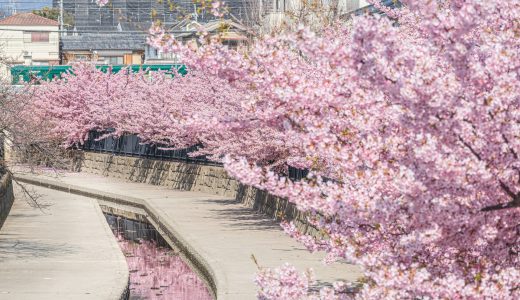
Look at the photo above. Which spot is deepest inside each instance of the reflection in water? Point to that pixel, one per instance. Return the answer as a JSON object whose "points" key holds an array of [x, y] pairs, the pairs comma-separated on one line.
{"points": [[156, 272]]}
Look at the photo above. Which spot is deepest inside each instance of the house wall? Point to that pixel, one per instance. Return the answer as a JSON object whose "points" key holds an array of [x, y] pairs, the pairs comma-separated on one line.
{"points": [[136, 58], [15, 40], [73, 56], [126, 57]]}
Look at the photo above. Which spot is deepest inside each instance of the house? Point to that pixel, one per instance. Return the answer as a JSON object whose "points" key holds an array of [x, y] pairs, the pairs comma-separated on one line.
{"points": [[29, 39], [229, 32], [116, 48]]}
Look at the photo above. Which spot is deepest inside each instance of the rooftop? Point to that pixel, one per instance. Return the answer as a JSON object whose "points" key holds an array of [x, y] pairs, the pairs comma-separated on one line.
{"points": [[28, 19], [228, 29], [105, 41]]}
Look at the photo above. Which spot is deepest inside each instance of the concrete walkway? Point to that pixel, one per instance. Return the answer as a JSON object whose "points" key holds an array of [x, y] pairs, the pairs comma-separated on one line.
{"points": [[65, 252], [220, 232]]}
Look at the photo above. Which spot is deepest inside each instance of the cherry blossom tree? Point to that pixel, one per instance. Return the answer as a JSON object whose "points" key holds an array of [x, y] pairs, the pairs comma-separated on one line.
{"points": [[178, 112], [102, 3], [410, 125], [23, 137]]}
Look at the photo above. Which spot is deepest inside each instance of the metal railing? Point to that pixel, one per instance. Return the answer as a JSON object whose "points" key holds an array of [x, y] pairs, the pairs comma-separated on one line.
{"points": [[297, 174], [131, 145], [20, 73]]}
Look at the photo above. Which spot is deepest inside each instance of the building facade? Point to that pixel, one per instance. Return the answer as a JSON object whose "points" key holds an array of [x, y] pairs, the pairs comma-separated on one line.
{"points": [[29, 39], [230, 33], [104, 48]]}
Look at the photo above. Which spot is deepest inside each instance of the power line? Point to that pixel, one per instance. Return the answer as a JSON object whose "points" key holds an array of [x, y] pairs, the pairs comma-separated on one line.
{"points": [[129, 32]]}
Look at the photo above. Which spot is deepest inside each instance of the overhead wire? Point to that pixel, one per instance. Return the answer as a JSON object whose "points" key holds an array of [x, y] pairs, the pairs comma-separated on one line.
{"points": [[127, 14]]}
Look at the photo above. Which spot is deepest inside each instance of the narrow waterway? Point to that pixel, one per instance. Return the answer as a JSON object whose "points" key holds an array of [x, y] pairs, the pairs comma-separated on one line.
{"points": [[156, 271]]}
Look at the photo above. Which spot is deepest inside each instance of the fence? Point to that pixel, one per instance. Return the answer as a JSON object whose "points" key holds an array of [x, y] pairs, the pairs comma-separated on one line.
{"points": [[21, 74], [131, 145]]}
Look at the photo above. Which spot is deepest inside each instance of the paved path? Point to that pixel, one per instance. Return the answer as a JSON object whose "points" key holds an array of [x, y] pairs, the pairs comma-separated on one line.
{"points": [[65, 252], [221, 232]]}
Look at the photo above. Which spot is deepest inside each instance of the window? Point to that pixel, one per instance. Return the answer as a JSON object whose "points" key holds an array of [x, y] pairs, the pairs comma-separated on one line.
{"points": [[39, 37], [231, 44], [112, 60], [81, 57], [115, 60]]}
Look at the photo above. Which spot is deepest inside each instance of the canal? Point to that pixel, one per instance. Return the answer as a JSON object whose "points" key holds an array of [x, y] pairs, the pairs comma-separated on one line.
{"points": [[156, 271]]}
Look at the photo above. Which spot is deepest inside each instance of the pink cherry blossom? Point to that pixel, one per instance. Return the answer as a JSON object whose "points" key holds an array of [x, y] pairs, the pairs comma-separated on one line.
{"points": [[102, 3], [218, 8], [284, 283]]}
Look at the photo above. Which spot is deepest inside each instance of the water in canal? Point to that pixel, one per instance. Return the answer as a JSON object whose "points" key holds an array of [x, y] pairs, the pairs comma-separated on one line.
{"points": [[156, 272]]}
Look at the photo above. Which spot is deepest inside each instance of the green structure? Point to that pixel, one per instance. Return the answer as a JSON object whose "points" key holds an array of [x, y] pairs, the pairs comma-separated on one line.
{"points": [[21, 74]]}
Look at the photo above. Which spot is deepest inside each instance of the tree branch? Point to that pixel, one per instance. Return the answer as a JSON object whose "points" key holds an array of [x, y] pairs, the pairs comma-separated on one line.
{"points": [[515, 202], [511, 204], [470, 148]]}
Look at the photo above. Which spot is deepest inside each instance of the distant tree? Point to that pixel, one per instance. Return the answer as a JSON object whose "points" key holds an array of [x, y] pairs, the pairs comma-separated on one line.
{"points": [[54, 14]]}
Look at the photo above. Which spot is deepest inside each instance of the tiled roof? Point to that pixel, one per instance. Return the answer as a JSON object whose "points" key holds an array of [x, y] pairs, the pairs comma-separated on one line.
{"points": [[104, 41], [28, 19]]}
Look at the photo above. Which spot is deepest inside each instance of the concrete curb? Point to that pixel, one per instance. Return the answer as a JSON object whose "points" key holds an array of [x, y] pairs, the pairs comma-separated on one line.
{"points": [[124, 291], [202, 264]]}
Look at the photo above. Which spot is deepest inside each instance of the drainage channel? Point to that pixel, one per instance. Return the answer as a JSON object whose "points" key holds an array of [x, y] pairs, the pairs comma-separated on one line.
{"points": [[156, 271]]}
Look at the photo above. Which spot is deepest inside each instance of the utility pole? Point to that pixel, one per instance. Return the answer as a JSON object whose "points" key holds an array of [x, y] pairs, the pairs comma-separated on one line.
{"points": [[62, 33], [12, 7], [61, 18], [195, 14]]}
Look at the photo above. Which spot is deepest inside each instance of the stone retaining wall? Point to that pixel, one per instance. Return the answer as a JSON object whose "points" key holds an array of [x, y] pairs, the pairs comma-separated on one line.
{"points": [[190, 177], [6, 196]]}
